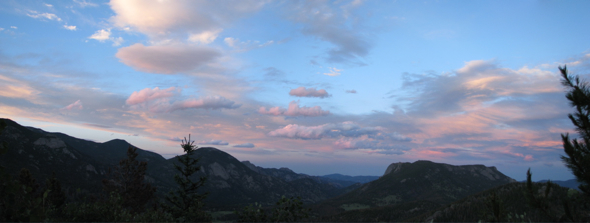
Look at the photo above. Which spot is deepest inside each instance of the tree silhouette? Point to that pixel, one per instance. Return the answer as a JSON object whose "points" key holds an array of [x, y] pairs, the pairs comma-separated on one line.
{"points": [[578, 152], [186, 202], [128, 181]]}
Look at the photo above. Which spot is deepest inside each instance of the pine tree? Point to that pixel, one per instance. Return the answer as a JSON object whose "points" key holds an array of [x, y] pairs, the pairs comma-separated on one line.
{"points": [[128, 181], [578, 152], [186, 203]]}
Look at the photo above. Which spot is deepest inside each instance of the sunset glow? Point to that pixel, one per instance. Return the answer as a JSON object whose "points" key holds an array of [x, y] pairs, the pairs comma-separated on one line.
{"points": [[319, 87]]}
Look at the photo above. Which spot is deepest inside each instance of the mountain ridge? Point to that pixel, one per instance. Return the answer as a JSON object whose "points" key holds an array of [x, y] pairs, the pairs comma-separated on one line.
{"points": [[83, 164]]}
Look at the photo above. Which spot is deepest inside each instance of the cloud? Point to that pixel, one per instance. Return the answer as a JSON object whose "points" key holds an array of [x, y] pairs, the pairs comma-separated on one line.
{"points": [[273, 72], [85, 3], [209, 102], [309, 92], [295, 110], [245, 45], [245, 145], [13, 27], [346, 129], [97, 125], [174, 19], [351, 91], [105, 34], [36, 15], [161, 100], [73, 28], [101, 35], [14, 88], [336, 24], [205, 37], [214, 142], [364, 142], [74, 106], [148, 94], [476, 85], [48, 5], [333, 72], [166, 59]]}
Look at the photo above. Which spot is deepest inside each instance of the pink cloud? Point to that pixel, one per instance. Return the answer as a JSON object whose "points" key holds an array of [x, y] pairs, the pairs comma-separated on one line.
{"points": [[209, 102], [74, 106], [309, 92], [177, 18], [294, 110], [159, 100], [166, 59], [148, 94], [333, 130]]}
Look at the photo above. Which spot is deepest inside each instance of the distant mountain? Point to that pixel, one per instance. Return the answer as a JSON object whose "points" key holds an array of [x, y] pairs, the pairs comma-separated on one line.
{"points": [[289, 175], [421, 183], [573, 183], [356, 179], [83, 164]]}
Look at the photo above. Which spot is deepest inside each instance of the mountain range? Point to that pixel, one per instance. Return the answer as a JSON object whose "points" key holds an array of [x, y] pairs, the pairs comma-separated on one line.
{"points": [[418, 191], [82, 164]]}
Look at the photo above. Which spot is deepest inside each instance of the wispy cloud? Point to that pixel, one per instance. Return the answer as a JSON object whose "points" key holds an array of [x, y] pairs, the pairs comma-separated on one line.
{"points": [[85, 3], [294, 110], [45, 15], [73, 28], [245, 145], [74, 106], [331, 22], [245, 45], [333, 72], [214, 142]]}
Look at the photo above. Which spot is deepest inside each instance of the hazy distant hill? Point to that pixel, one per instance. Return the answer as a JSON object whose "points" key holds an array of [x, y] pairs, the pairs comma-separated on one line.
{"points": [[573, 183], [288, 175], [358, 179], [421, 185]]}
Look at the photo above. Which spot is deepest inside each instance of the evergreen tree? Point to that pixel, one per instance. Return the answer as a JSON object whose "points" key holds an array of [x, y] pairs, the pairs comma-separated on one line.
{"points": [[578, 152], [186, 203], [128, 181]]}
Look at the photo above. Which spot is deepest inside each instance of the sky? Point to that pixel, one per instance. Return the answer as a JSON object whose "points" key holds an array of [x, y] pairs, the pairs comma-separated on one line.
{"points": [[320, 87]]}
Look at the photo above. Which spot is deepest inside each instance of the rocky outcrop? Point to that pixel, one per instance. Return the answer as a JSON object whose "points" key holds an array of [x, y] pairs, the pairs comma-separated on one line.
{"points": [[394, 167]]}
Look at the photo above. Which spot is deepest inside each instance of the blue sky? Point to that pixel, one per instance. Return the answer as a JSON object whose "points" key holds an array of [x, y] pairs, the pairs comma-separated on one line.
{"points": [[317, 86]]}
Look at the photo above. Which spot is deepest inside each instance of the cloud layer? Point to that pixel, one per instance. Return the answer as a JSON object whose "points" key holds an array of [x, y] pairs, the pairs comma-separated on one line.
{"points": [[163, 100]]}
